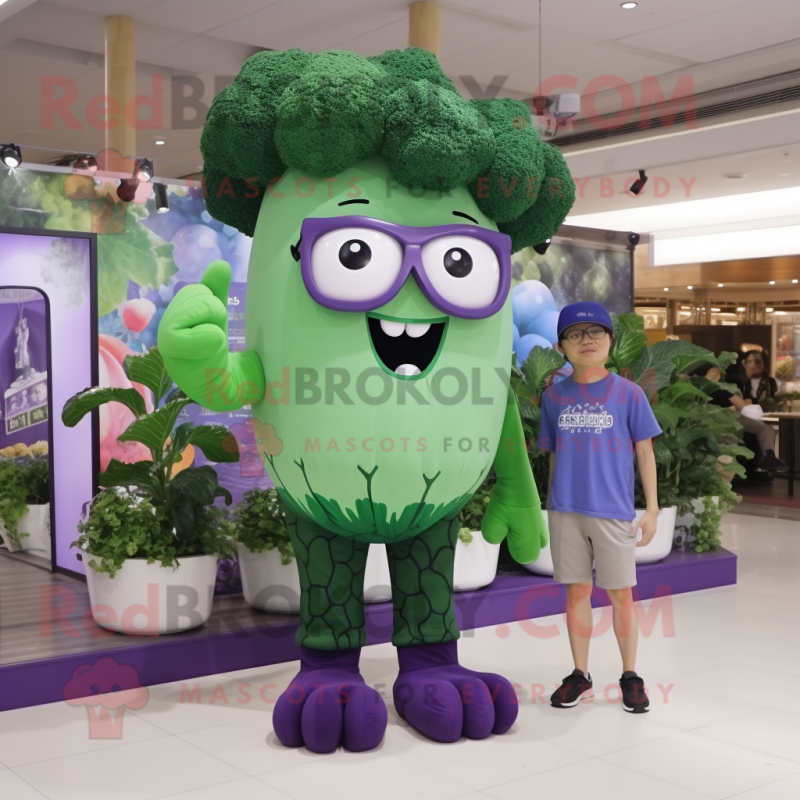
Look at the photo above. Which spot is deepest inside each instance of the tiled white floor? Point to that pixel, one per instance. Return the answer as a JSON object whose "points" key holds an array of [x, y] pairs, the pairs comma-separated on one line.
{"points": [[725, 718]]}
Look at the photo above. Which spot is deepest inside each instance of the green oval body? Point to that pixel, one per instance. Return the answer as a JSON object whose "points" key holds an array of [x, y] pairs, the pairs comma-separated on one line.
{"points": [[360, 450]]}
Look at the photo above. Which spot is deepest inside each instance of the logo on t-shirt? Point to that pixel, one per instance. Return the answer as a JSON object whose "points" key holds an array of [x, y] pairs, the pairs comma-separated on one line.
{"points": [[585, 418]]}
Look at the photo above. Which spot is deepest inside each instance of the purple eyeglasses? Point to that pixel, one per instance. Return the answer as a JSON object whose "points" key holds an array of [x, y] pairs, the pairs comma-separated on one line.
{"points": [[356, 263]]}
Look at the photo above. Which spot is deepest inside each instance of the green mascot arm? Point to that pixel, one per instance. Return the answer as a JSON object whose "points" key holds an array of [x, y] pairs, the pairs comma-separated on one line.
{"points": [[193, 341], [514, 509]]}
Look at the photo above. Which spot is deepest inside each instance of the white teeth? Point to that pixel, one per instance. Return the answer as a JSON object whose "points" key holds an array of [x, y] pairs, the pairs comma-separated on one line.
{"points": [[393, 329], [417, 329], [413, 329], [408, 369]]}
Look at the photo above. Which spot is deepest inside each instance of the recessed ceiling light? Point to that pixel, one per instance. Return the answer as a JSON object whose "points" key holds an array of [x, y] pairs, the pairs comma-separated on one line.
{"points": [[794, 280], [686, 313], [720, 285], [666, 288], [716, 309], [735, 176], [629, 5], [690, 287], [160, 141], [781, 313], [769, 310], [772, 283], [741, 308]]}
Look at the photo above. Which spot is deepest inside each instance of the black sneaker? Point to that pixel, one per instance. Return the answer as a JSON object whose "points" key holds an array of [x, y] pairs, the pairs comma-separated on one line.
{"points": [[572, 690], [634, 695], [772, 463]]}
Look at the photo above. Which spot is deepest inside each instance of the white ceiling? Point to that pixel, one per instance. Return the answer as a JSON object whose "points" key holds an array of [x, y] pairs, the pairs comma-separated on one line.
{"points": [[716, 42]]}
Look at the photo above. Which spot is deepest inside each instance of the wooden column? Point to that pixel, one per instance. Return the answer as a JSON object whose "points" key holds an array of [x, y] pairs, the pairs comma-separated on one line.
{"points": [[121, 81], [423, 25]]}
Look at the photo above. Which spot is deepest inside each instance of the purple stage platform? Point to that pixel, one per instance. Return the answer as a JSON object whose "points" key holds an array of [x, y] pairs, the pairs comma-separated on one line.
{"points": [[515, 595]]}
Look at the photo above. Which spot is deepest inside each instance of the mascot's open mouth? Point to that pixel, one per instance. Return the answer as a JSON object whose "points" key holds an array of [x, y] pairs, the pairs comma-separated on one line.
{"points": [[406, 348]]}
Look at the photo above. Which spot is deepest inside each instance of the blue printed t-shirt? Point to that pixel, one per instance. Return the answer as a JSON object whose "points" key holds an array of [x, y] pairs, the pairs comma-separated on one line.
{"points": [[593, 429]]}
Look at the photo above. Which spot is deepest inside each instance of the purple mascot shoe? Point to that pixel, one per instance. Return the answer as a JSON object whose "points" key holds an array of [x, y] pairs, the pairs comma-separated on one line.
{"points": [[445, 701], [327, 704]]}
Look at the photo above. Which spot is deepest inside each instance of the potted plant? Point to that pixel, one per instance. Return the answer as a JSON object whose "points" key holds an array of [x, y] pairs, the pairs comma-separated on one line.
{"points": [[25, 500], [152, 536], [696, 454], [270, 580], [476, 559]]}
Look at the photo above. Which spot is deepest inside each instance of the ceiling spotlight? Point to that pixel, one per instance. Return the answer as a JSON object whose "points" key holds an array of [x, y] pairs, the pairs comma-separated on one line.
{"points": [[10, 155], [772, 283], [86, 164], [720, 285], [633, 238], [794, 280], [741, 308], [162, 201], [126, 190], [666, 288], [541, 248], [143, 169], [627, 6], [690, 287], [638, 184], [769, 310], [160, 141]]}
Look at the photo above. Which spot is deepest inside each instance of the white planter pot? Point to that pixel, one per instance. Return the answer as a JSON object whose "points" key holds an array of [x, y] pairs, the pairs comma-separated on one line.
{"points": [[150, 599], [267, 584], [377, 579], [683, 524], [475, 567], [658, 548], [271, 586], [476, 564], [544, 564], [36, 523], [661, 545]]}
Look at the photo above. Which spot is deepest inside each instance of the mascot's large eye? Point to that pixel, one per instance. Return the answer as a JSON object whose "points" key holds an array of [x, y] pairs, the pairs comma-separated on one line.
{"points": [[355, 254], [463, 270], [355, 263]]}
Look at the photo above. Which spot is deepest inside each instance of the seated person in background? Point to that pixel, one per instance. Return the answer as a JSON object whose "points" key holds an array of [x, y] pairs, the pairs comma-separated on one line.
{"points": [[749, 416], [756, 383]]}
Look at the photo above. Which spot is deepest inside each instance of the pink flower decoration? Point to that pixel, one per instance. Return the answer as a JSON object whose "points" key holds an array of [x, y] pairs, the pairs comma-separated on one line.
{"points": [[136, 314], [115, 417]]}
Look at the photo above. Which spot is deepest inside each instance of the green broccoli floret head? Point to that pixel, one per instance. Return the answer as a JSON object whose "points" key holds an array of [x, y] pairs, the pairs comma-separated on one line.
{"points": [[324, 113]]}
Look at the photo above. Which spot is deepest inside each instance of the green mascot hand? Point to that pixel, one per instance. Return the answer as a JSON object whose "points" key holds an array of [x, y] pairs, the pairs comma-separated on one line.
{"points": [[193, 341], [524, 526], [514, 509]]}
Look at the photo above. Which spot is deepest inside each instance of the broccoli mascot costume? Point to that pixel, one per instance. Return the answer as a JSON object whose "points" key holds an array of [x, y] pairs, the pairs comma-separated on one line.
{"points": [[384, 209]]}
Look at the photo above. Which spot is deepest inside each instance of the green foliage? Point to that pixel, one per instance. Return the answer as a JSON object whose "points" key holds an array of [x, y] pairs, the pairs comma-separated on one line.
{"points": [[258, 522], [471, 516], [324, 113], [529, 385], [630, 341], [123, 524], [23, 482], [183, 501], [137, 255], [780, 401], [706, 527]]}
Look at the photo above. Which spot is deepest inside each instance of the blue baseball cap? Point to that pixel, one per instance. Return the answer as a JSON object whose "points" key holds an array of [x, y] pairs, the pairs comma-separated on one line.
{"points": [[585, 311]]}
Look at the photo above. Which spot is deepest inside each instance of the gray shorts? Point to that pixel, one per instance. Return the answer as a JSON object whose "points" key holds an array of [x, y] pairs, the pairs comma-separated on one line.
{"points": [[576, 540]]}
